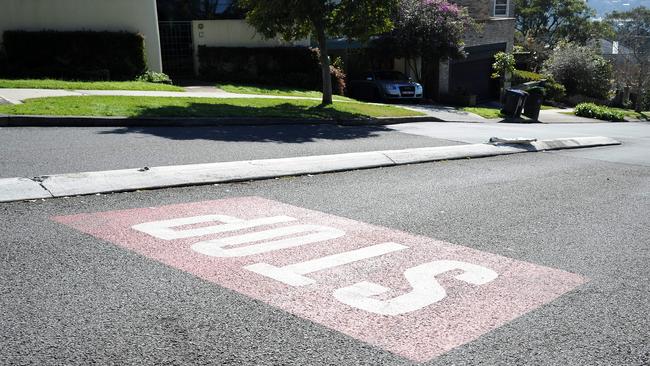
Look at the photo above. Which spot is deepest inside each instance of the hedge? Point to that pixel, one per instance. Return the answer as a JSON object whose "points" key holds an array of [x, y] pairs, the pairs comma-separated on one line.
{"points": [[297, 67], [554, 90], [78, 55], [522, 76], [4, 67], [591, 110]]}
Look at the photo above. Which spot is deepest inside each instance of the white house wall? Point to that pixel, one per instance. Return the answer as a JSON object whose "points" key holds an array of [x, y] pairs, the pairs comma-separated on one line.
{"points": [[137, 16], [232, 33]]}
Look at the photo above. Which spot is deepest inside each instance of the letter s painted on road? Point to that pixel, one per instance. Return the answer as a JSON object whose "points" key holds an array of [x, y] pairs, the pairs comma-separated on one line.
{"points": [[426, 290]]}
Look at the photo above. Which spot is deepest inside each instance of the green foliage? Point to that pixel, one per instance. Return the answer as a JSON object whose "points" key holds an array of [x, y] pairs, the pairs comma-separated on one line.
{"points": [[296, 67], [427, 29], [504, 64], [154, 77], [543, 24], [553, 90], [632, 29], [294, 20], [522, 76], [338, 63], [645, 100], [550, 22], [80, 55], [591, 110], [581, 70], [536, 90]]}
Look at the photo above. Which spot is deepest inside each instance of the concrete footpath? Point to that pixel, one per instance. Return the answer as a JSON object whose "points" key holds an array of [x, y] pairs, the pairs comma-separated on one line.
{"points": [[18, 189], [17, 96]]}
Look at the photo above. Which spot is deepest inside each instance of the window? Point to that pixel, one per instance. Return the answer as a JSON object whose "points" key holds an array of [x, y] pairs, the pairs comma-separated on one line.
{"points": [[391, 76], [185, 10], [501, 8]]}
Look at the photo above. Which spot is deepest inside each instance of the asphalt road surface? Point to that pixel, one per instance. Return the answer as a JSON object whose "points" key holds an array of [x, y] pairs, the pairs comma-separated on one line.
{"points": [[544, 261], [634, 136], [31, 152]]}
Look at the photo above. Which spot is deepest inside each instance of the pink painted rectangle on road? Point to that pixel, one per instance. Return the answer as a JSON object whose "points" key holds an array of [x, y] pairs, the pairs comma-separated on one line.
{"points": [[411, 295]]}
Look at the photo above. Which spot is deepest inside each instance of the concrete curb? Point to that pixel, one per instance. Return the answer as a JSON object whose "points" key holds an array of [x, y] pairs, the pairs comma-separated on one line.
{"points": [[18, 189], [76, 121]]}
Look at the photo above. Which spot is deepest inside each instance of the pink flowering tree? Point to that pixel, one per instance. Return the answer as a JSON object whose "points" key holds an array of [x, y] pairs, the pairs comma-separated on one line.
{"points": [[427, 30]]}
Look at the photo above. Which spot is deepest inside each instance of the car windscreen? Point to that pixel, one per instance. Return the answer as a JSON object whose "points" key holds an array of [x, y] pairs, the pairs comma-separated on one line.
{"points": [[391, 76]]}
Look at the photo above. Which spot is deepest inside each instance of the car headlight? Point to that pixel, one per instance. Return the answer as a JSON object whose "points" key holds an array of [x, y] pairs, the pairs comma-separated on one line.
{"points": [[392, 88], [418, 89]]}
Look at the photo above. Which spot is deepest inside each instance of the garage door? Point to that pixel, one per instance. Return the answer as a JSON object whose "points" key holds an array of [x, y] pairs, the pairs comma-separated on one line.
{"points": [[473, 75]]}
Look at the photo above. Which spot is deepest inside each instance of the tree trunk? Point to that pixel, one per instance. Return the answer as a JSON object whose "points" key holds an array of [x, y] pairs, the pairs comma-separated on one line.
{"points": [[638, 106], [412, 64], [325, 65]]}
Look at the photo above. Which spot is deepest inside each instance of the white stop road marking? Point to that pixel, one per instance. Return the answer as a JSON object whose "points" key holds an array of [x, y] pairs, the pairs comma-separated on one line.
{"points": [[411, 295]]}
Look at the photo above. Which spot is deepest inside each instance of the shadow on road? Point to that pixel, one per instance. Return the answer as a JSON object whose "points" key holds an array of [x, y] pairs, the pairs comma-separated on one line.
{"points": [[292, 134]]}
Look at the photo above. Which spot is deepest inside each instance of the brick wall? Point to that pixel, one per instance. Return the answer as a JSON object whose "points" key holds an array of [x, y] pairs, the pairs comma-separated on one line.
{"points": [[482, 9], [500, 30], [479, 9], [492, 30]]}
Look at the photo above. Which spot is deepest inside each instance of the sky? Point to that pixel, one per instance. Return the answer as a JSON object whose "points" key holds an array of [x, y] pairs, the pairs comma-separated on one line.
{"points": [[605, 6]]}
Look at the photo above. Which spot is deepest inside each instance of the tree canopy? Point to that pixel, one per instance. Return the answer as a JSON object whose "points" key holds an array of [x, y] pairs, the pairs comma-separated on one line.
{"points": [[632, 29], [297, 19], [581, 69], [551, 21], [426, 29]]}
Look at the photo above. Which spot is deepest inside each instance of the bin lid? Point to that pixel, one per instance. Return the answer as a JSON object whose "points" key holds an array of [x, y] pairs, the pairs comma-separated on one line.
{"points": [[517, 91]]}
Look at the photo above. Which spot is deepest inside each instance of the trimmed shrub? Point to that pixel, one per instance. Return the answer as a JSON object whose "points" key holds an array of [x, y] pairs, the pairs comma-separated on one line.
{"points": [[522, 76], [591, 110], [296, 67], [537, 90], [554, 90], [79, 55], [581, 70], [154, 77]]}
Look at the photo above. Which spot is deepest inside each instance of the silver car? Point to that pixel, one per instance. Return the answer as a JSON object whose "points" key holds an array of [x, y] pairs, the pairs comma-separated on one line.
{"points": [[385, 86]]}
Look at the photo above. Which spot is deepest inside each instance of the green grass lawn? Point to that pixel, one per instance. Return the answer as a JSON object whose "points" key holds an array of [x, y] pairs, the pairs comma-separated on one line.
{"points": [[85, 85], [485, 112], [630, 113], [199, 107], [279, 91]]}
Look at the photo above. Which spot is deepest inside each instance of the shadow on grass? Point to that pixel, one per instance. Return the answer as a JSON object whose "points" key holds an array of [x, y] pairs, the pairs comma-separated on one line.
{"points": [[287, 110], [292, 134]]}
